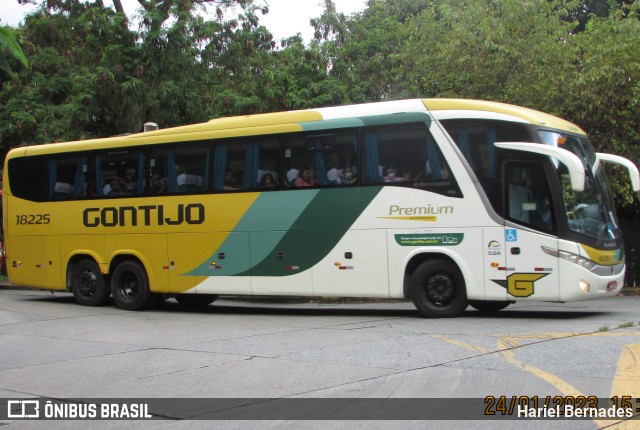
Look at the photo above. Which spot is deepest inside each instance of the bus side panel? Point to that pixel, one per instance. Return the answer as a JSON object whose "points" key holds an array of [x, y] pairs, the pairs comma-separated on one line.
{"points": [[240, 285], [188, 249], [494, 255], [281, 270], [225, 268], [150, 249], [532, 274], [33, 261], [55, 278], [354, 267]]}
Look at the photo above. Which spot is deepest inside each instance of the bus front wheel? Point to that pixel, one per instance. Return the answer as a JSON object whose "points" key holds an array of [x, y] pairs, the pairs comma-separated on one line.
{"points": [[130, 286], [88, 285], [438, 289]]}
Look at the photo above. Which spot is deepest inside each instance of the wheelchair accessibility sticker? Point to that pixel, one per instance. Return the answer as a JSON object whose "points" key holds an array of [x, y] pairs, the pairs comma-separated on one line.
{"points": [[511, 235]]}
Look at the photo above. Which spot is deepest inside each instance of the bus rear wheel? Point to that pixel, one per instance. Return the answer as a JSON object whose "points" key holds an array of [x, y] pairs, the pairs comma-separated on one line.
{"points": [[130, 287], [88, 285], [438, 289], [196, 300]]}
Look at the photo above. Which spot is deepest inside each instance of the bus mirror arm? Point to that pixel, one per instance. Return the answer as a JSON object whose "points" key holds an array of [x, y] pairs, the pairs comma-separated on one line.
{"points": [[573, 163], [633, 170]]}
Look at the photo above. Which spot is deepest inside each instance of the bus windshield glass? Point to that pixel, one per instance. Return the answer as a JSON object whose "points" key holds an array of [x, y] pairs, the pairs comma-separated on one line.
{"points": [[590, 212]]}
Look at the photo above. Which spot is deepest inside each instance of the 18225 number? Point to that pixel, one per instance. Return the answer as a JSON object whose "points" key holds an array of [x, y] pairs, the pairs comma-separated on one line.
{"points": [[33, 219]]}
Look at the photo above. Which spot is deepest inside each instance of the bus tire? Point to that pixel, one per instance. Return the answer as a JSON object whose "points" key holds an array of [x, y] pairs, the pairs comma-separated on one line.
{"points": [[489, 306], [88, 286], [438, 290], [196, 300], [130, 287]]}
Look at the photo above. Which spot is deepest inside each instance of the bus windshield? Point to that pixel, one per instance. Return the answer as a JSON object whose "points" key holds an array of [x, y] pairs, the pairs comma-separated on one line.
{"points": [[590, 212]]}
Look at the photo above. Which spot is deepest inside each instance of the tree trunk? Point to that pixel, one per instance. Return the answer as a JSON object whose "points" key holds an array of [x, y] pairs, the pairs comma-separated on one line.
{"points": [[118, 5]]}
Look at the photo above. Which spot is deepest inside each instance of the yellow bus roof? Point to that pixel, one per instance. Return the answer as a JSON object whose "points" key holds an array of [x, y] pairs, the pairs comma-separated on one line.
{"points": [[532, 116]]}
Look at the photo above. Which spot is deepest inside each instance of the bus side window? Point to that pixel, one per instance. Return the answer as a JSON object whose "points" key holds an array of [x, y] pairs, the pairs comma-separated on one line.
{"points": [[247, 164], [180, 169], [67, 177], [342, 159], [268, 163], [321, 159], [118, 173], [229, 166], [402, 154], [475, 138], [301, 154], [28, 178], [528, 196], [407, 155], [192, 167]]}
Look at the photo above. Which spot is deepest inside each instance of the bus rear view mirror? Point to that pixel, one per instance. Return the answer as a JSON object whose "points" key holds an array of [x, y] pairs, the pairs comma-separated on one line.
{"points": [[616, 159], [573, 163]]}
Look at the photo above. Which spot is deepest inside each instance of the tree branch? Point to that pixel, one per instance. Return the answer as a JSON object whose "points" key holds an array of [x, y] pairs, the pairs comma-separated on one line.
{"points": [[117, 4]]}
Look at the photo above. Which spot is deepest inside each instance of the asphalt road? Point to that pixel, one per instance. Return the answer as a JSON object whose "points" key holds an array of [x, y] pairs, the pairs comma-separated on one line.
{"points": [[50, 347]]}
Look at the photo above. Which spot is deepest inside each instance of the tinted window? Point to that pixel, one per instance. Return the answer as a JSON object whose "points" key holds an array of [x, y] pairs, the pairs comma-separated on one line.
{"points": [[475, 139], [179, 169], [321, 159], [118, 173], [247, 164], [27, 177], [528, 197], [406, 154], [67, 176]]}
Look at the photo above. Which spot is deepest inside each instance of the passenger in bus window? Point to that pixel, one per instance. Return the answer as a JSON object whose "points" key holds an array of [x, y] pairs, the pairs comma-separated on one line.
{"points": [[389, 174], [342, 176], [129, 186], [230, 182], [292, 175], [347, 177], [304, 179], [113, 188], [333, 175], [268, 182], [158, 185]]}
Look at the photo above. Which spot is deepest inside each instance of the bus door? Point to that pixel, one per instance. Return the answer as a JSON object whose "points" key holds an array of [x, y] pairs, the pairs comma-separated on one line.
{"points": [[530, 225]]}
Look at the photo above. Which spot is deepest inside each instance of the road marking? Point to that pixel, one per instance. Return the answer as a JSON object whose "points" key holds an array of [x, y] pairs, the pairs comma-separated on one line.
{"points": [[626, 381], [462, 344], [506, 345]]}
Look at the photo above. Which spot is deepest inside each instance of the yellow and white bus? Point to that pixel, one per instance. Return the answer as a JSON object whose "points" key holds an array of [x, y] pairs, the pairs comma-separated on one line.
{"points": [[445, 202]]}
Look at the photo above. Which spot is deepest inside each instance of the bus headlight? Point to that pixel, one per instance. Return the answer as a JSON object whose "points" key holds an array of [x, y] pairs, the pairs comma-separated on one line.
{"points": [[584, 285], [571, 257]]}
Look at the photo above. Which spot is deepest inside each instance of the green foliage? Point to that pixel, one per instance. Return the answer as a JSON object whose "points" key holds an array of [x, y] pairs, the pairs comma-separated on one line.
{"points": [[526, 52], [8, 45], [605, 89], [92, 74], [70, 88]]}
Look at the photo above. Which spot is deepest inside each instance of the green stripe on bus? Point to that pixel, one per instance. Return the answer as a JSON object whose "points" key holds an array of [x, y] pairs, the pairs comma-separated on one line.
{"points": [[272, 212], [287, 232], [316, 232]]}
